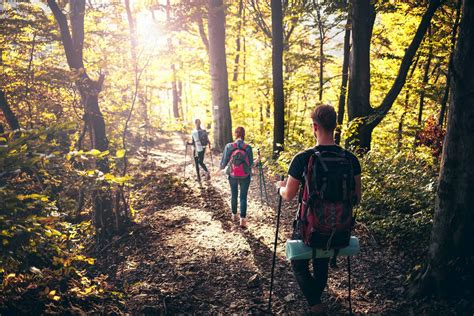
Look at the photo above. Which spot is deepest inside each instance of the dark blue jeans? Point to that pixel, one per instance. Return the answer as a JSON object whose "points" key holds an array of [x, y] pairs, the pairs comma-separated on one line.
{"points": [[244, 189]]}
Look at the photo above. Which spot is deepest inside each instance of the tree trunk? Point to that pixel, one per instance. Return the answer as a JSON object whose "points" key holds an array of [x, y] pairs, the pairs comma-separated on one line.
{"points": [[361, 114], [426, 78], [402, 120], [358, 102], [321, 51], [450, 271], [174, 86], [237, 41], [277, 72], [345, 77], [133, 35], [219, 78], [107, 223], [444, 101], [8, 113]]}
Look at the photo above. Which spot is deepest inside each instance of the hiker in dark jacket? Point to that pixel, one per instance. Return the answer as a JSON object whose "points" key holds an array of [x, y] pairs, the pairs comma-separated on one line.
{"points": [[239, 175], [199, 150], [323, 125]]}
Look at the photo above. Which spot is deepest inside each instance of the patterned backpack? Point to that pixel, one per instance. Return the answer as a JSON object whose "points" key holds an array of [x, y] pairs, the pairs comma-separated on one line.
{"points": [[325, 216]]}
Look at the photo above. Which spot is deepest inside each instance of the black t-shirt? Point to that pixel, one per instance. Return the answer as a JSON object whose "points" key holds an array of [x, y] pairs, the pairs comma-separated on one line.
{"points": [[300, 161]]}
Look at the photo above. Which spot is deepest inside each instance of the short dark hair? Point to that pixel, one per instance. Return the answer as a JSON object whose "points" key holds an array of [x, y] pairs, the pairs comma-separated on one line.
{"points": [[325, 116], [240, 132]]}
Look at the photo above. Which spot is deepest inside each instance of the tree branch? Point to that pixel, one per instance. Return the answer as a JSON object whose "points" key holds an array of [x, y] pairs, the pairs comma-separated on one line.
{"points": [[72, 59]]}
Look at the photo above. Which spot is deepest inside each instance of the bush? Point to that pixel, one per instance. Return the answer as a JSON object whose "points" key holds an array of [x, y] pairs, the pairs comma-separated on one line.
{"points": [[398, 198]]}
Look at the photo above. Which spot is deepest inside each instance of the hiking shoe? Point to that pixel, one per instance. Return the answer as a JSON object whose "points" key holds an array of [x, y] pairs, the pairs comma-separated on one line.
{"points": [[234, 217], [243, 222], [208, 175]]}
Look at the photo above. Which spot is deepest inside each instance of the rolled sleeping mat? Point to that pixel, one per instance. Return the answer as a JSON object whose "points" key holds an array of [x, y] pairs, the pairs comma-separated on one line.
{"points": [[297, 250]]}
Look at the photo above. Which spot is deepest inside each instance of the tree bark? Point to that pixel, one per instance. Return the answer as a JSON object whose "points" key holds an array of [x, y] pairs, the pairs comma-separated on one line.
{"points": [[360, 111], [345, 77], [219, 77], [358, 103], [450, 272], [277, 72], [12, 121], [444, 101]]}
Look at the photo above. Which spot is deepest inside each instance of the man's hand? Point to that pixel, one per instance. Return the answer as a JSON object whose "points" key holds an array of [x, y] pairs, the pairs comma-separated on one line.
{"points": [[288, 188], [280, 184]]}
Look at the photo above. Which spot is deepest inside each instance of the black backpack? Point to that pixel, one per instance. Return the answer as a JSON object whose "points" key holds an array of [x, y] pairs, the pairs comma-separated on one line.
{"points": [[203, 137]]}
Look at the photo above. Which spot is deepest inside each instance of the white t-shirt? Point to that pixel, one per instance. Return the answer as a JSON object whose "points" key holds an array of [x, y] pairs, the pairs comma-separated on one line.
{"points": [[197, 142]]}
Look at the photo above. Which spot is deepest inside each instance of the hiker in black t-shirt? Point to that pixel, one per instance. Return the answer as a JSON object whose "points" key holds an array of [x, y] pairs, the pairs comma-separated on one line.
{"points": [[323, 125]]}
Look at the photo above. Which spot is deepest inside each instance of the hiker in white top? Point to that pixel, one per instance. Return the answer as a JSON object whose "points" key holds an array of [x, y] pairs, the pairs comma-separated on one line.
{"points": [[199, 141]]}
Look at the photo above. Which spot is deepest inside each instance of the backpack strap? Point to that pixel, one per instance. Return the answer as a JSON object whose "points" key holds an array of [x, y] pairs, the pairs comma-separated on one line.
{"points": [[317, 154]]}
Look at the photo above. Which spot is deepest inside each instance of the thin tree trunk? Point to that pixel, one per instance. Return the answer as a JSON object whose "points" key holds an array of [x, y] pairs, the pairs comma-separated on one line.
{"points": [[277, 72], [8, 113], [202, 32], [237, 41], [219, 77], [402, 120], [450, 269], [174, 86], [29, 82], [345, 77], [321, 52], [133, 35], [426, 78], [444, 101]]}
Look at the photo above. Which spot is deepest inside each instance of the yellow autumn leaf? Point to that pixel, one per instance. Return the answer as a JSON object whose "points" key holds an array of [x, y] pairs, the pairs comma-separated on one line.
{"points": [[120, 153]]}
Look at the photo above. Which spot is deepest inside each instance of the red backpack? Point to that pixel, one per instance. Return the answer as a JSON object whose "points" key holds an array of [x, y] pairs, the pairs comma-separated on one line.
{"points": [[325, 216], [239, 162]]}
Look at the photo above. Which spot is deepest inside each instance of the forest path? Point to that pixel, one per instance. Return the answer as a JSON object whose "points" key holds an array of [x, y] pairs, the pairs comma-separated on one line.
{"points": [[188, 257]]}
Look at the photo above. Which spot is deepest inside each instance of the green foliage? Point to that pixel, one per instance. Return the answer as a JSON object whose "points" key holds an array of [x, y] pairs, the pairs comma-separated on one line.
{"points": [[398, 199], [38, 188]]}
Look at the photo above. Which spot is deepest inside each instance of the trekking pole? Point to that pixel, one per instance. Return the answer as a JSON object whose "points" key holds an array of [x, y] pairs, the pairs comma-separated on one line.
{"points": [[210, 152], [185, 154], [264, 183], [260, 184], [274, 250], [349, 273]]}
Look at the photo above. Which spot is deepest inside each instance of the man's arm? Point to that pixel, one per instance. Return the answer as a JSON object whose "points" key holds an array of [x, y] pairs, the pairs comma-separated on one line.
{"points": [[288, 188]]}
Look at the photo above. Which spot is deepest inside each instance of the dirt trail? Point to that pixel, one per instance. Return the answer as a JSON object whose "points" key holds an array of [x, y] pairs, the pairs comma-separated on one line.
{"points": [[186, 256]]}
